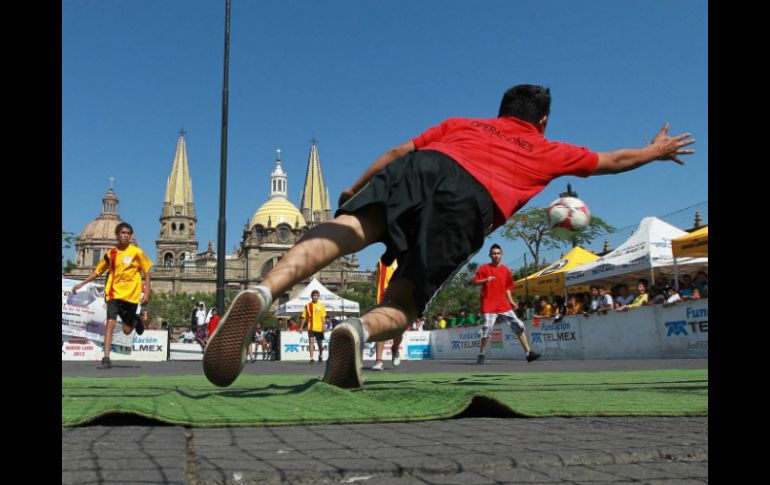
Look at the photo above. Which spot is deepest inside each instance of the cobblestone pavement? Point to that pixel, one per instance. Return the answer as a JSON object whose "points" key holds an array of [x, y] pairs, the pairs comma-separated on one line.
{"points": [[593, 450]]}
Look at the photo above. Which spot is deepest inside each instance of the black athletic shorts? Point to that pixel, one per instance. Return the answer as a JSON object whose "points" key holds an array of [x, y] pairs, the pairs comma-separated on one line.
{"points": [[317, 335], [437, 216], [124, 309]]}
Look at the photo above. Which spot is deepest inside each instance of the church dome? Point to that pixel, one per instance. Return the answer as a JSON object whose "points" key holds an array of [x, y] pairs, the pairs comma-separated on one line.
{"points": [[103, 227], [278, 210]]}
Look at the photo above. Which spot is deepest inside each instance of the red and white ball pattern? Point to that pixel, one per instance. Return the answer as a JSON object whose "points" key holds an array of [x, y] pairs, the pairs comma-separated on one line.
{"points": [[567, 217]]}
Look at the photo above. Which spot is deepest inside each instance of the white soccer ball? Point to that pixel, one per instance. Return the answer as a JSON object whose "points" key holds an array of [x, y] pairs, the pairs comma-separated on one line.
{"points": [[567, 217]]}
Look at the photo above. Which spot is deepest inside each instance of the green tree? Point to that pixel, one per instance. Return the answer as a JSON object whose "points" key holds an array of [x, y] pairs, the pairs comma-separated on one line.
{"points": [[458, 293], [176, 309], [362, 292], [67, 241], [530, 227]]}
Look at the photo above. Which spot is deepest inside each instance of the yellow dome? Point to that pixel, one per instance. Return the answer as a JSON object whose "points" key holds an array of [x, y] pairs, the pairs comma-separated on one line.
{"points": [[278, 210]]}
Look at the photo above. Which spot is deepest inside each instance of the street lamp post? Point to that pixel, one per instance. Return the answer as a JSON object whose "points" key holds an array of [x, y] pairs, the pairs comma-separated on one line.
{"points": [[223, 173]]}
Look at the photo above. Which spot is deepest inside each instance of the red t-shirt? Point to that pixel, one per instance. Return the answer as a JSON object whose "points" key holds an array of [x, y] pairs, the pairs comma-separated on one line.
{"points": [[213, 324], [508, 156], [493, 298]]}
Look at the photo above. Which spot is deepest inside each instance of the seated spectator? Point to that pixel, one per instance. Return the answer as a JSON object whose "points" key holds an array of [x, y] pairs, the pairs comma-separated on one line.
{"points": [[702, 283], [605, 301], [696, 293], [658, 295], [544, 309], [441, 322], [624, 298], [471, 319], [671, 296], [294, 326], [587, 297], [642, 296], [685, 289], [188, 337], [595, 302], [558, 308], [202, 335], [574, 306], [462, 320]]}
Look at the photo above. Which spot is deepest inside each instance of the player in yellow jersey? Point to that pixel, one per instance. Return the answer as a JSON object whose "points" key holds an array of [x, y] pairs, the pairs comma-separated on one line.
{"points": [[123, 292], [314, 315]]}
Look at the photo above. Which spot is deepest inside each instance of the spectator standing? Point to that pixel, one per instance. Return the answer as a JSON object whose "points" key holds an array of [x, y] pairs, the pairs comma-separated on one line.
{"points": [[214, 322]]}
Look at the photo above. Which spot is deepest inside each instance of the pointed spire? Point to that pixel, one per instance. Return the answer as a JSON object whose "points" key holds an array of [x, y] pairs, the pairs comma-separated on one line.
{"points": [[179, 185], [314, 204]]}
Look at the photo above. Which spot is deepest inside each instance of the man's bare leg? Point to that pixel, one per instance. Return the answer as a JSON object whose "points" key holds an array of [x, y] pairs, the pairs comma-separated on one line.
{"points": [[323, 244], [225, 355]]}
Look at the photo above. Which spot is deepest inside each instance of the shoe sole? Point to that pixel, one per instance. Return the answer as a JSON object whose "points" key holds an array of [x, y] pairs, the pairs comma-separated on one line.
{"points": [[343, 366], [225, 354]]}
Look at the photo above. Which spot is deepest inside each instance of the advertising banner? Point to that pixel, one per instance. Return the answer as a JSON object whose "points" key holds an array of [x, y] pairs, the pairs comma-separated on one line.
{"points": [[84, 314], [414, 346], [649, 332], [149, 347]]}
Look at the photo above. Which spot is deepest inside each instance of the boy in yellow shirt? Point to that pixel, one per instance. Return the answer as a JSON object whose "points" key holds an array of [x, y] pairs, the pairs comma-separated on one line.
{"points": [[123, 291], [313, 315]]}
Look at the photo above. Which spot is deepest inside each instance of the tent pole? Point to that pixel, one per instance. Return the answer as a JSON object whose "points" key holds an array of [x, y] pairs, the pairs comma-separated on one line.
{"points": [[526, 285], [676, 276]]}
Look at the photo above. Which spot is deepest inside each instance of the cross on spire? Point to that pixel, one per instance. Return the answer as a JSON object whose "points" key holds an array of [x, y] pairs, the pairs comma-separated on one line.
{"points": [[314, 141], [182, 132]]}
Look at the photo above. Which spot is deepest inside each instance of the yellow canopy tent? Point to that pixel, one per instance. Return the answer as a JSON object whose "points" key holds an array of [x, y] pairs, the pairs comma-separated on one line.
{"points": [[692, 245], [550, 280]]}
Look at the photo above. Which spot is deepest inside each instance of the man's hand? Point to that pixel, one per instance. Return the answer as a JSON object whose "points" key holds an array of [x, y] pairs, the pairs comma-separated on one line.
{"points": [[669, 147], [345, 196], [146, 298], [76, 288]]}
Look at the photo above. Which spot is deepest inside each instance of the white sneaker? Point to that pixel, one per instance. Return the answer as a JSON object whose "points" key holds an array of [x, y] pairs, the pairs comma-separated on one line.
{"points": [[377, 366], [396, 359]]}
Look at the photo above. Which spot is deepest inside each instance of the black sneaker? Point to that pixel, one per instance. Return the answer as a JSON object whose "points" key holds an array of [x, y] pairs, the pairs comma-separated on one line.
{"points": [[312, 361], [346, 346], [532, 355], [481, 359], [320, 358], [139, 327], [106, 363], [225, 354]]}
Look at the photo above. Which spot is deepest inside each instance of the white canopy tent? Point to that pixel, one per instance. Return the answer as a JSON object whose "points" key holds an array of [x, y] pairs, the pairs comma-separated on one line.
{"points": [[646, 252], [334, 304]]}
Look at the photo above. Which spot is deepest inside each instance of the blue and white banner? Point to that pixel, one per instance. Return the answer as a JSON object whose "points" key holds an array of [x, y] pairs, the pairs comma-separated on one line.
{"points": [[84, 314]]}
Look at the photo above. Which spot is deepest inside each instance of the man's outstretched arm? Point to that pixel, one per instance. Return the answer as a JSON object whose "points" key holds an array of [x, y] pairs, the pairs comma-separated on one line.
{"points": [[663, 147]]}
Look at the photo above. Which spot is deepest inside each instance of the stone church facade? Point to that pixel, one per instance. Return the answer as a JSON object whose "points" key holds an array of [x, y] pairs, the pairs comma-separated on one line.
{"points": [[273, 229]]}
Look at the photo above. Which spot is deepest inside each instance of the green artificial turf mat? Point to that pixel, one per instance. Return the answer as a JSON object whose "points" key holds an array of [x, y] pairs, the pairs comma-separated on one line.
{"points": [[299, 400]]}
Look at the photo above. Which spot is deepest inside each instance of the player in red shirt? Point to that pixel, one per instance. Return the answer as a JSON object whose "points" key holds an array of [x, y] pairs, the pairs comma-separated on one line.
{"points": [[497, 302], [461, 180]]}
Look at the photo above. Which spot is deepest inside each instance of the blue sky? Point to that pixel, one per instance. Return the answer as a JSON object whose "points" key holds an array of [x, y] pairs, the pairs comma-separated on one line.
{"points": [[362, 77]]}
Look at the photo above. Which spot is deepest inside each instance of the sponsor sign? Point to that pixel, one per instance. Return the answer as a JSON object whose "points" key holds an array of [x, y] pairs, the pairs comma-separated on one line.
{"points": [[84, 314]]}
